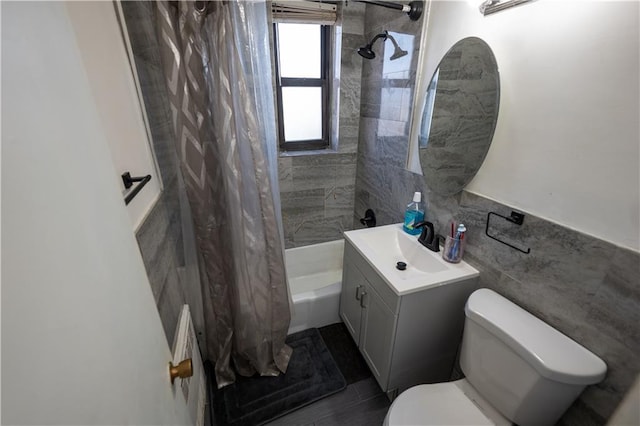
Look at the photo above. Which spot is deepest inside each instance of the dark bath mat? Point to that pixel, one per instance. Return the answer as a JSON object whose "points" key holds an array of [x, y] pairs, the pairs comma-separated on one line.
{"points": [[345, 352], [312, 374]]}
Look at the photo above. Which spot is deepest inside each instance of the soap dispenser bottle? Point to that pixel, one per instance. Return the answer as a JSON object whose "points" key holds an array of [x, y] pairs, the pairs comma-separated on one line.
{"points": [[413, 215]]}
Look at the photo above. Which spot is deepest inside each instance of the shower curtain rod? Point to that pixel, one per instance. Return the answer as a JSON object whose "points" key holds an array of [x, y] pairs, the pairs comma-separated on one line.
{"points": [[413, 9]]}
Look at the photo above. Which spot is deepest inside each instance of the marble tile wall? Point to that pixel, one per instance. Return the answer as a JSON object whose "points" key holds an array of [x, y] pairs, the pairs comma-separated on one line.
{"points": [[318, 190], [173, 275], [587, 288], [387, 96]]}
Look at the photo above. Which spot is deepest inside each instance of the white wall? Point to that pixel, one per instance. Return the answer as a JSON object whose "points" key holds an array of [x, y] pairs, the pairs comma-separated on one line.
{"points": [[82, 341], [567, 141], [113, 86]]}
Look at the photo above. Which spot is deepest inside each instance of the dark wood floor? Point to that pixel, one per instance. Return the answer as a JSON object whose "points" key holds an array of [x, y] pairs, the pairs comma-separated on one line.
{"points": [[361, 403]]}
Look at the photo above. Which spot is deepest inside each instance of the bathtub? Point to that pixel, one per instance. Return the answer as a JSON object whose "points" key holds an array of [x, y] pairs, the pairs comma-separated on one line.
{"points": [[315, 279]]}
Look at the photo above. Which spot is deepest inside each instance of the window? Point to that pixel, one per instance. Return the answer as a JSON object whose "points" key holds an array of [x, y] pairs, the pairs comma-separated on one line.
{"points": [[427, 115], [303, 74]]}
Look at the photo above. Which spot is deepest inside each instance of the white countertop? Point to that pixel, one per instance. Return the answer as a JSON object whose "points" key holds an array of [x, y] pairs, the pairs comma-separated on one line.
{"points": [[384, 246]]}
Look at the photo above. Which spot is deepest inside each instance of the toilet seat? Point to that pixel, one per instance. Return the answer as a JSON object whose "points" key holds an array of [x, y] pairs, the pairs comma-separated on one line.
{"points": [[447, 403]]}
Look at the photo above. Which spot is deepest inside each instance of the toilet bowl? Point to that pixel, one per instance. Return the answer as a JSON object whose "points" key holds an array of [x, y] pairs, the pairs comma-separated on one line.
{"points": [[451, 403], [518, 370]]}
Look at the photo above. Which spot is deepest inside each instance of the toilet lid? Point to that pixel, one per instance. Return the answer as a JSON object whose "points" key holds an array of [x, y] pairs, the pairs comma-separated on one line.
{"points": [[436, 404]]}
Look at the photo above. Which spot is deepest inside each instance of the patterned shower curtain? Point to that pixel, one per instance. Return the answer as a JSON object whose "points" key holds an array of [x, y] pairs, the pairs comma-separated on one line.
{"points": [[218, 74]]}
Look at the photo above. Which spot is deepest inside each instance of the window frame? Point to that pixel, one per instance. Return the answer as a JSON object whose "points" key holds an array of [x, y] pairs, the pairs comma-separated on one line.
{"points": [[323, 82]]}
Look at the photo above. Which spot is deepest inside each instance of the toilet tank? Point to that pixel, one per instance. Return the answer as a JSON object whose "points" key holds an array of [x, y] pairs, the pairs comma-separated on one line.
{"points": [[523, 367]]}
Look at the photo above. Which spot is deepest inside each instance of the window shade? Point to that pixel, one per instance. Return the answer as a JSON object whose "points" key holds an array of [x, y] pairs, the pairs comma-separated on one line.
{"points": [[303, 12]]}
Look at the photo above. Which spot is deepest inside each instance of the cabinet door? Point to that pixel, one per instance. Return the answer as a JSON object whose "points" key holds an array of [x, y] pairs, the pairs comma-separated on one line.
{"points": [[353, 284], [376, 342]]}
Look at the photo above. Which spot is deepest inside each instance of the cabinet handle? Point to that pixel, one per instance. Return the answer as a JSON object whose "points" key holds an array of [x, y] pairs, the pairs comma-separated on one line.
{"points": [[362, 295], [358, 295]]}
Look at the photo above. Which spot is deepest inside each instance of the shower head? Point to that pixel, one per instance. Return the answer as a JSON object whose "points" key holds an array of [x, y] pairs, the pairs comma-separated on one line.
{"points": [[368, 53], [398, 52]]}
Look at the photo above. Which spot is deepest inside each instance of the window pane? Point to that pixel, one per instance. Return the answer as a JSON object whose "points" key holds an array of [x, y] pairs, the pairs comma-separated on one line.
{"points": [[299, 50], [302, 113]]}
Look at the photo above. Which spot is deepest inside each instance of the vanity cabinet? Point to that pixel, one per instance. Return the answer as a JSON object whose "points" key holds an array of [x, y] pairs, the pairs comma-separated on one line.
{"points": [[351, 303], [405, 339], [369, 320]]}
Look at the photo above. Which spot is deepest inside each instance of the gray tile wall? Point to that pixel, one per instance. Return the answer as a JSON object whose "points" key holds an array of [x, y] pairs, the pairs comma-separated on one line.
{"points": [[384, 118], [172, 275], [318, 191], [586, 288]]}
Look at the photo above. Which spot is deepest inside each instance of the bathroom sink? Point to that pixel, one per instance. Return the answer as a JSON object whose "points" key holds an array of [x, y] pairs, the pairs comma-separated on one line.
{"points": [[384, 246]]}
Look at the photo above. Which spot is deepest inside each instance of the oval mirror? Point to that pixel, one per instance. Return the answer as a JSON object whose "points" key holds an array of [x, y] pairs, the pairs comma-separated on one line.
{"points": [[459, 116]]}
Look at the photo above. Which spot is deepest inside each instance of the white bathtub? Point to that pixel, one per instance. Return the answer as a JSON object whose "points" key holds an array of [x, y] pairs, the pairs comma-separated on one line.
{"points": [[315, 279]]}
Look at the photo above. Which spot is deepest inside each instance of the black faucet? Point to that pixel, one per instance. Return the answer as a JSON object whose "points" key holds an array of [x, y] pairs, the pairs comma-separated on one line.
{"points": [[428, 237]]}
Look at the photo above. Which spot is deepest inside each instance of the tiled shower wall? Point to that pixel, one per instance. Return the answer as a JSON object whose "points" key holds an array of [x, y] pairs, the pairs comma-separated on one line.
{"points": [[173, 275], [317, 191], [587, 288], [387, 98]]}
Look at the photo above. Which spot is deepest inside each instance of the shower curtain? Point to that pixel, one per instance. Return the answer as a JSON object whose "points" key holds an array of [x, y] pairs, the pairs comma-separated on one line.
{"points": [[218, 75]]}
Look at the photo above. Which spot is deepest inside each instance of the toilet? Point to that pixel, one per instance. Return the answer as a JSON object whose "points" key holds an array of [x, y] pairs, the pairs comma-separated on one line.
{"points": [[518, 370]]}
